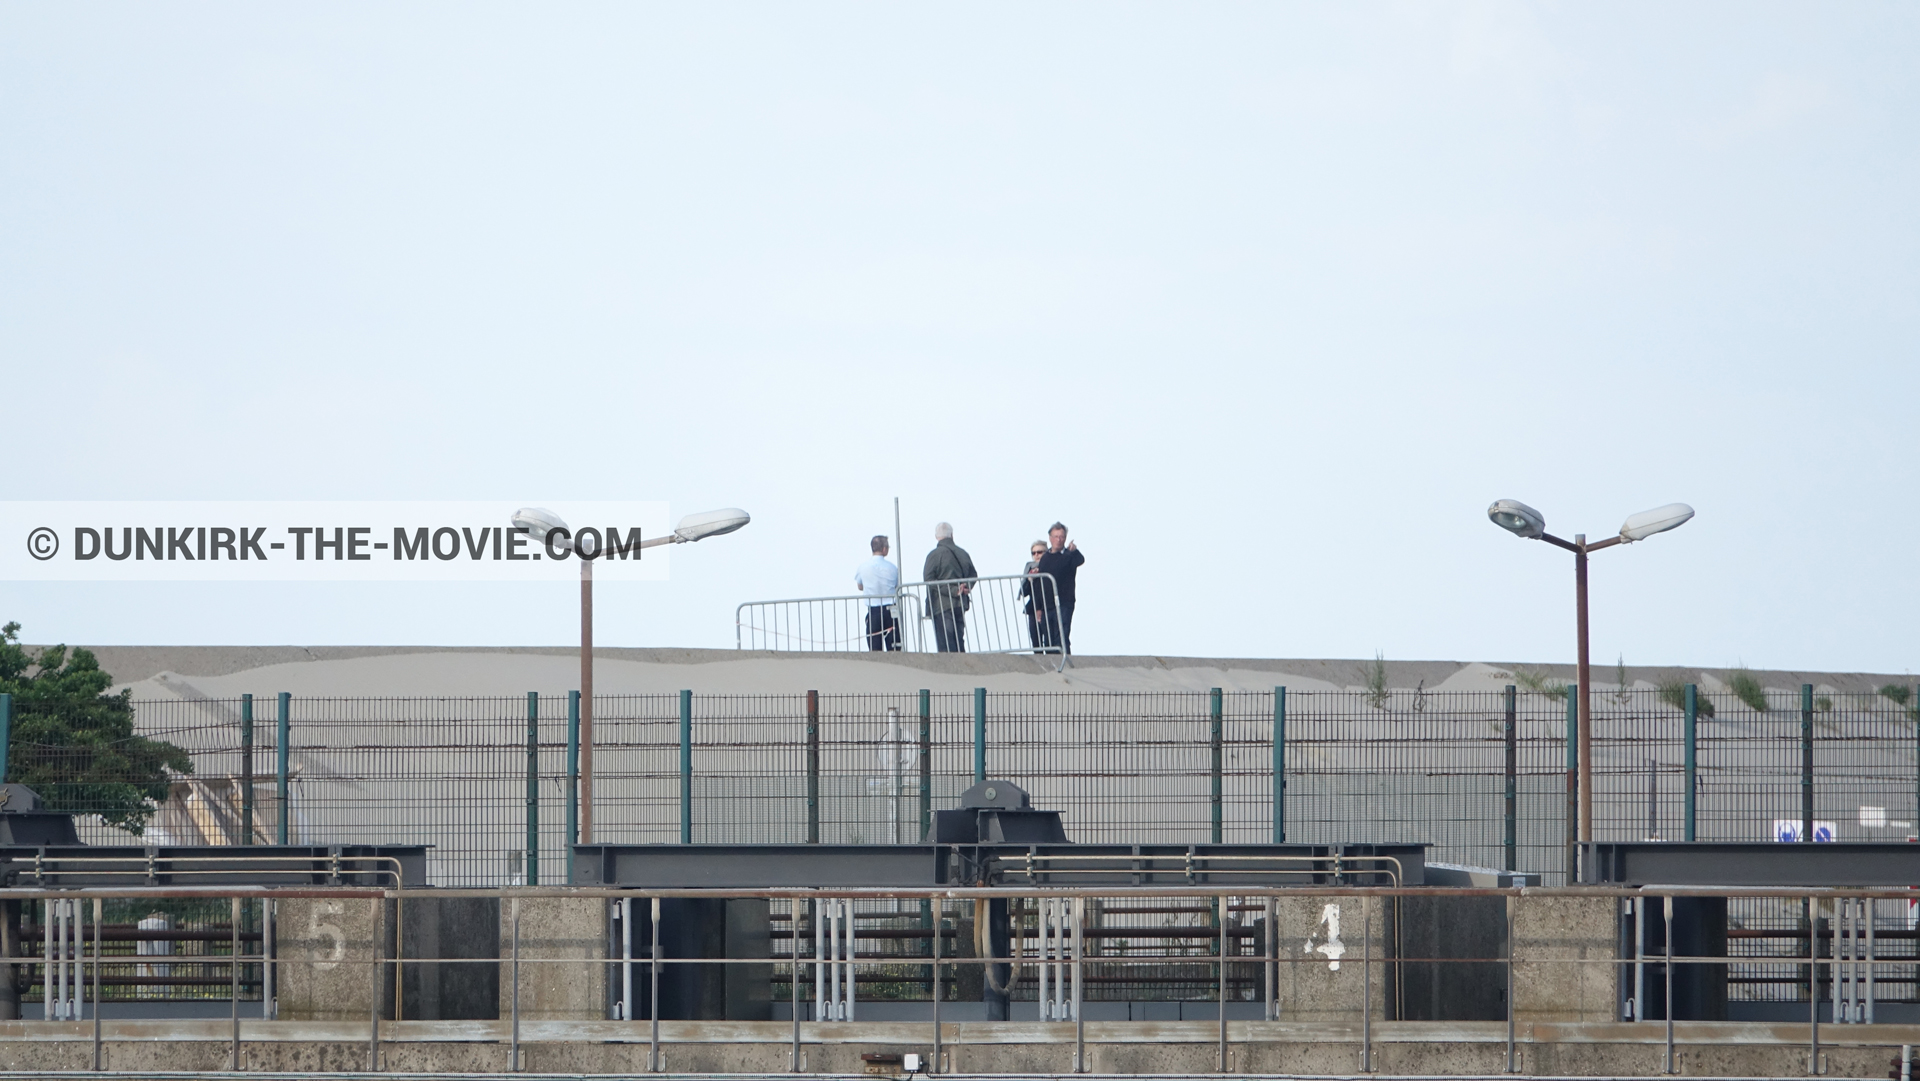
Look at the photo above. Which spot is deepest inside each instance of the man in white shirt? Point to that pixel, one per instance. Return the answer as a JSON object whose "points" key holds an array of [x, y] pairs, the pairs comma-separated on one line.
{"points": [[880, 580]]}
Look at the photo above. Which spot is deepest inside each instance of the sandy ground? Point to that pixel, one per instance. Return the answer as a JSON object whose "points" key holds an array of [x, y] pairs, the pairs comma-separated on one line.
{"points": [[343, 671]]}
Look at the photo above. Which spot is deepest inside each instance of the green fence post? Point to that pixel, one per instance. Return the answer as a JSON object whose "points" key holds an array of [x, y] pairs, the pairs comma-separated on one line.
{"points": [[979, 734], [926, 763], [6, 733], [1214, 735], [533, 789], [282, 729], [1572, 815], [1806, 762], [1511, 732], [246, 769], [1692, 755], [573, 777], [686, 767], [1279, 765], [813, 767]]}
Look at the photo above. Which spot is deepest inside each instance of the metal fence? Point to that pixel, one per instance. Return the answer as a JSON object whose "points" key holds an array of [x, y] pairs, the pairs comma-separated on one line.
{"points": [[1247, 956], [1016, 613], [1123, 767]]}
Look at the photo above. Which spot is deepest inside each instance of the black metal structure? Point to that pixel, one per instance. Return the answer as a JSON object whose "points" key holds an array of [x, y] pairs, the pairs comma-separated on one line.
{"points": [[74, 866], [1701, 925], [1712, 863], [995, 838]]}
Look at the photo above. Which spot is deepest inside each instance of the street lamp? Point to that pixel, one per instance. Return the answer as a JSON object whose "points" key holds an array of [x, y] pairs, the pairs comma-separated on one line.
{"points": [[1523, 521], [540, 524]]}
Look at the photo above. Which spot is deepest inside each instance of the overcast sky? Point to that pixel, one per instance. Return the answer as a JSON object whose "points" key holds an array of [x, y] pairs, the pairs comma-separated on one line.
{"points": [[1266, 301]]}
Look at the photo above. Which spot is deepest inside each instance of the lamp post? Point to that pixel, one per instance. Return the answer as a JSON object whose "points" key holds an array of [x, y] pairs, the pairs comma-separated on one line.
{"points": [[1525, 522], [542, 525]]}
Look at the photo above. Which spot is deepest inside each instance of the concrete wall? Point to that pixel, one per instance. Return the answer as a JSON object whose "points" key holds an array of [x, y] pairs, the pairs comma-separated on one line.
{"points": [[325, 949], [572, 929], [1297, 1048], [1558, 944], [1323, 977]]}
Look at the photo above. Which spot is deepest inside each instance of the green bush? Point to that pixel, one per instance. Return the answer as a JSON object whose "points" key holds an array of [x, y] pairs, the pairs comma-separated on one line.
{"points": [[1374, 678], [1674, 693], [1747, 689], [1539, 682]]}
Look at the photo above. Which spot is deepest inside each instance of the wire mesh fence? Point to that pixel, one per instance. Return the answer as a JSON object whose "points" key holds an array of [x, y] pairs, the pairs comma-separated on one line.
{"points": [[1389, 766]]}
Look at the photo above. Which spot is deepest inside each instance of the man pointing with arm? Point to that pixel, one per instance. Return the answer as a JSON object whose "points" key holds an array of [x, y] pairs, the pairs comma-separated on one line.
{"points": [[1062, 561]]}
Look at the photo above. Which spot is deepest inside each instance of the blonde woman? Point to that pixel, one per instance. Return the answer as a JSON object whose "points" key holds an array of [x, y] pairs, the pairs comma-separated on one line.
{"points": [[1036, 619]]}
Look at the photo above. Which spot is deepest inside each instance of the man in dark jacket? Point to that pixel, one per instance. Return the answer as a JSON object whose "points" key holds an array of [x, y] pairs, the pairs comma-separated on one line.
{"points": [[949, 575], [1062, 560]]}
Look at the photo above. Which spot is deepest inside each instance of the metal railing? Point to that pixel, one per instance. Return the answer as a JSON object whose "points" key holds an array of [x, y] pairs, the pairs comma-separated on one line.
{"points": [[828, 625], [1016, 613], [1235, 949]]}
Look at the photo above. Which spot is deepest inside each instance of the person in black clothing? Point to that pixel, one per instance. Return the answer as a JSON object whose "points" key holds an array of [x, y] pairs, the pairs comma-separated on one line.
{"points": [[1034, 601], [1062, 560], [949, 575]]}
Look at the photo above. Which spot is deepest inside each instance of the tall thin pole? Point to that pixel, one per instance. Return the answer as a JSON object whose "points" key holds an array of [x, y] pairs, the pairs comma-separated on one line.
{"points": [[899, 550], [280, 765], [686, 767], [6, 732], [1215, 736], [979, 734], [1806, 762], [1693, 756], [573, 777], [586, 701], [1279, 765], [532, 877], [813, 767], [246, 769], [1586, 691], [926, 762], [1573, 787], [1511, 731]]}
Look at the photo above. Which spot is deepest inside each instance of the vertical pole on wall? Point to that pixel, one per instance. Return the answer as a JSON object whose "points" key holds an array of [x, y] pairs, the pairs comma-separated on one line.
{"points": [[813, 767], [246, 769], [928, 912], [533, 789], [979, 734], [280, 761], [899, 559], [1214, 762], [1806, 762], [1692, 756], [686, 767], [926, 762], [573, 777], [1510, 730], [1279, 765], [1573, 787], [6, 732]]}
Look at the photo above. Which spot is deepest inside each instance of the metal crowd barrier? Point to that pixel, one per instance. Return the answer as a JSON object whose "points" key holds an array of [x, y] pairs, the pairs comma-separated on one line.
{"points": [[997, 617]]}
